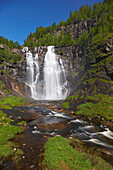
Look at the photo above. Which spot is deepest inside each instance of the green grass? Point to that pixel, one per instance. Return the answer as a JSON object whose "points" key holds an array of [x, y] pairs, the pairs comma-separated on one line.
{"points": [[72, 97], [7, 132], [65, 105], [12, 101], [98, 105], [22, 123], [60, 155]]}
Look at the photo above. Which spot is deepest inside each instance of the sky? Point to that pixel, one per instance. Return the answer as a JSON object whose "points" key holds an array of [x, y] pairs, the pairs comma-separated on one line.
{"points": [[20, 17]]}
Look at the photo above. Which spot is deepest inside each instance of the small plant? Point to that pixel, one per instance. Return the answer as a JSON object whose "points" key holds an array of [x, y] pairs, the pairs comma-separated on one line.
{"points": [[65, 105], [22, 123]]}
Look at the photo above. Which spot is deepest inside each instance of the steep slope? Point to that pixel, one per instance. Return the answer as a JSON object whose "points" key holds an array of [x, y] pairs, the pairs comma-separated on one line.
{"points": [[10, 56]]}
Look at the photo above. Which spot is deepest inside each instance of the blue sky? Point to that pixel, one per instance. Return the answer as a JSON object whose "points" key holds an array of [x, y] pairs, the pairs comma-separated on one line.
{"points": [[20, 17]]}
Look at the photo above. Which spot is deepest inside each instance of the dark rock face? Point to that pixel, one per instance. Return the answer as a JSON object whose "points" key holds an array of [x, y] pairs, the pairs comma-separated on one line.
{"points": [[8, 86], [77, 28], [73, 64], [22, 71]]}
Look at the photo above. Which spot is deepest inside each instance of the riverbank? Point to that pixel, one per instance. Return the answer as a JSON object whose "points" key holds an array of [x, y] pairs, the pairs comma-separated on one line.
{"points": [[59, 154], [39, 121], [97, 108]]}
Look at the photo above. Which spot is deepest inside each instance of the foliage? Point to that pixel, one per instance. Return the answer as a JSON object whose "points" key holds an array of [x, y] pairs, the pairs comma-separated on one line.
{"points": [[52, 35], [22, 123], [12, 101], [65, 105], [64, 39], [7, 131], [9, 43], [99, 105], [5, 54], [3, 87], [60, 155], [104, 14]]}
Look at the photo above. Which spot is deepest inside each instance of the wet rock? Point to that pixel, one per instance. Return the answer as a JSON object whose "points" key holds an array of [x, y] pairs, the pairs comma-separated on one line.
{"points": [[53, 126]]}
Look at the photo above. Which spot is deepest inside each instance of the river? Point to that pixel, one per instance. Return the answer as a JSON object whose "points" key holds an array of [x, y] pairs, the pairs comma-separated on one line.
{"points": [[45, 120]]}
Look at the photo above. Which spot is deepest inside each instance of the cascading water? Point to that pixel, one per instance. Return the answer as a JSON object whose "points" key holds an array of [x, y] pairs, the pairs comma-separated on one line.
{"points": [[53, 87], [54, 76], [32, 73]]}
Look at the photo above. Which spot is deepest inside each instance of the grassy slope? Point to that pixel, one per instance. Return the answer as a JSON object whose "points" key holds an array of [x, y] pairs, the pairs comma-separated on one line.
{"points": [[7, 130], [94, 94], [60, 155]]}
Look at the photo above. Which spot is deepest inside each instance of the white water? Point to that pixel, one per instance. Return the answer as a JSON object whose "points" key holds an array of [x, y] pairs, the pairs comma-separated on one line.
{"points": [[54, 76], [53, 87], [32, 74]]}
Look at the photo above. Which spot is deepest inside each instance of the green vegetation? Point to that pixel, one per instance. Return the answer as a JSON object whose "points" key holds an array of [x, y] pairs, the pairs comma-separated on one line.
{"points": [[22, 123], [72, 97], [11, 101], [9, 43], [8, 131], [56, 35], [100, 106], [7, 55], [65, 105], [63, 39], [60, 155], [103, 13], [3, 88]]}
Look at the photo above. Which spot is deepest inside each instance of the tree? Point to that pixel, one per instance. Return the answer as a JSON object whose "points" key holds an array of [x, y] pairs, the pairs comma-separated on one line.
{"points": [[70, 14], [53, 25]]}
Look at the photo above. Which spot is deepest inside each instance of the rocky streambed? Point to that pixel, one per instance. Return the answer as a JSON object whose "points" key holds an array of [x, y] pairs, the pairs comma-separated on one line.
{"points": [[45, 120]]}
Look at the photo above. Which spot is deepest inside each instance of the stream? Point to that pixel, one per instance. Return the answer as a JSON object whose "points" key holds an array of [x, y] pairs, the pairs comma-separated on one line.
{"points": [[43, 123]]}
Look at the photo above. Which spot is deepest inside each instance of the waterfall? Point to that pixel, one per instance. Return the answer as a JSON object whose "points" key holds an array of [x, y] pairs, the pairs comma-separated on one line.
{"points": [[53, 86], [32, 77], [54, 76]]}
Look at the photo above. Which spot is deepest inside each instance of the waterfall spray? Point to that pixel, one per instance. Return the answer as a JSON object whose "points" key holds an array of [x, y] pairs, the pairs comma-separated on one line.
{"points": [[54, 83]]}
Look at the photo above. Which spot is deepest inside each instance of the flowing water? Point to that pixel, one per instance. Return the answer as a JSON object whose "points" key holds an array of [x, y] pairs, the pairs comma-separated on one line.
{"points": [[51, 123], [54, 77], [53, 86]]}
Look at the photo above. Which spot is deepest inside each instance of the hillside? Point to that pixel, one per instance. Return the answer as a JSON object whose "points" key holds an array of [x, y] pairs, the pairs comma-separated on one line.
{"points": [[85, 44], [85, 40], [10, 56], [67, 123], [82, 27]]}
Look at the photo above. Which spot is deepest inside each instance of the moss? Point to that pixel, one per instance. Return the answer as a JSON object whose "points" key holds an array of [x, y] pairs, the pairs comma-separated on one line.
{"points": [[7, 131], [17, 155], [12, 101], [65, 105], [112, 88], [22, 123], [73, 97], [5, 150], [100, 105], [60, 155]]}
